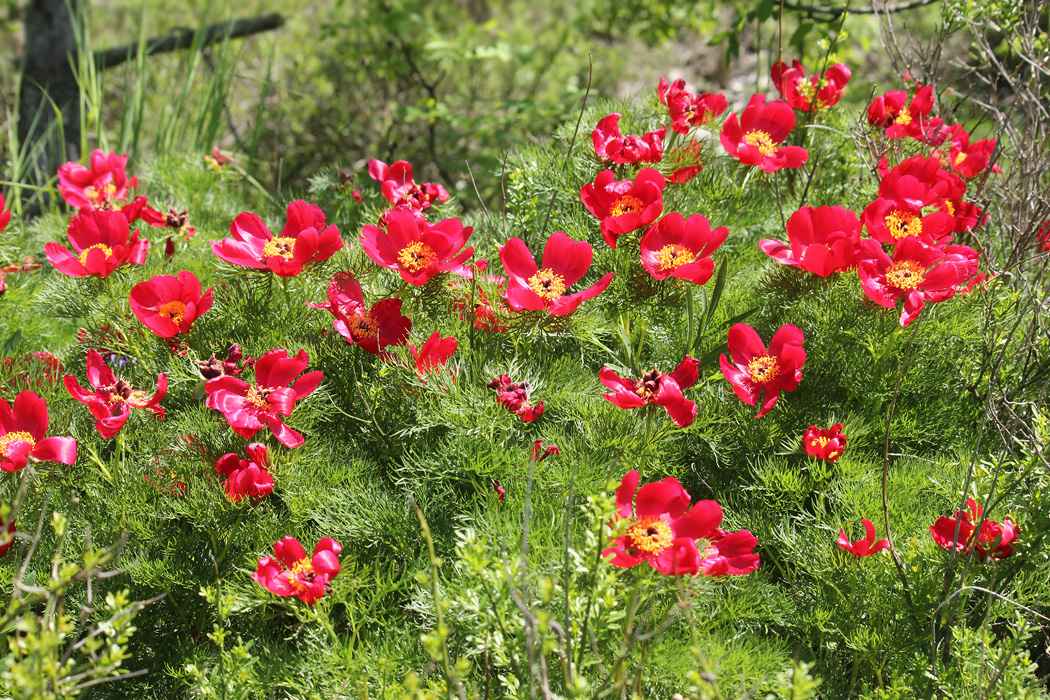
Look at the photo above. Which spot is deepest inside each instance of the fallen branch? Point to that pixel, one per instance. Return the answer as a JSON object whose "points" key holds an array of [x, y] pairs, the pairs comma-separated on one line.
{"points": [[184, 37]]}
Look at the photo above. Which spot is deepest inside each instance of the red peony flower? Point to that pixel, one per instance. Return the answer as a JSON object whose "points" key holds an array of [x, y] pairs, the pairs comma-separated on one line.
{"points": [[304, 239], [754, 368], [22, 435], [892, 113], [818, 91], [918, 272], [660, 528], [434, 354], [399, 188], [755, 139], [177, 221], [656, 388], [679, 247], [911, 197], [729, 554], [292, 573], [112, 399], [611, 145], [686, 109], [169, 305], [821, 240], [992, 540], [969, 160], [7, 537], [98, 187], [624, 206], [101, 244], [514, 396], [534, 288], [249, 407], [5, 216], [824, 443], [246, 478], [415, 249], [866, 546], [372, 329], [1042, 236]]}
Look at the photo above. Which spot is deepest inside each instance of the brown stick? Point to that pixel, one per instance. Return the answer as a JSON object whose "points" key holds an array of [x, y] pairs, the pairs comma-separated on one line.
{"points": [[834, 12], [183, 38]]}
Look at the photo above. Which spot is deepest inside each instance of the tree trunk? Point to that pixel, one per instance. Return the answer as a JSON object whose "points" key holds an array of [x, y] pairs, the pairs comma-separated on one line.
{"points": [[49, 83]]}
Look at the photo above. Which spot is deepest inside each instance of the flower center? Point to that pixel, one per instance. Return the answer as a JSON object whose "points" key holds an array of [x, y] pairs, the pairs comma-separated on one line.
{"points": [[547, 284], [174, 310], [906, 274], [104, 248], [673, 256], [18, 436], [763, 369], [950, 206], [627, 204], [959, 158], [95, 194], [903, 117], [650, 535], [362, 325], [416, 256], [281, 246], [760, 140], [649, 385], [256, 397], [301, 575], [820, 442], [903, 223]]}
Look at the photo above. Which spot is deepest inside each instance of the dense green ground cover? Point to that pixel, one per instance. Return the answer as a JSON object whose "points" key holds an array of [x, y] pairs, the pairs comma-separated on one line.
{"points": [[448, 590]]}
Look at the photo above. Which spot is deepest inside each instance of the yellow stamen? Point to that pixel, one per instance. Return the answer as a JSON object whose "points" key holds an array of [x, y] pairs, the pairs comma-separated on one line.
{"points": [[95, 194], [361, 325], [416, 256], [820, 442], [547, 284], [174, 310], [627, 204], [256, 397], [761, 140], [959, 158], [903, 223], [18, 436], [302, 569], [673, 256], [650, 535], [104, 248], [903, 117], [906, 274], [763, 369], [282, 246]]}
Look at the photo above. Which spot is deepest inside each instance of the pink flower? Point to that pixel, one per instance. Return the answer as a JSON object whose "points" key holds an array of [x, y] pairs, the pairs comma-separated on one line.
{"points": [[754, 369], [818, 91], [532, 288], [866, 546], [371, 329], [824, 443], [434, 354], [624, 206], [292, 573], [169, 305], [415, 249], [659, 528], [611, 145], [821, 240], [99, 186], [399, 188], [656, 388], [250, 407], [112, 398], [899, 119], [991, 540], [757, 137], [23, 430], [918, 272], [686, 109], [910, 202], [304, 240], [246, 478], [969, 159], [729, 554], [679, 247], [100, 243]]}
